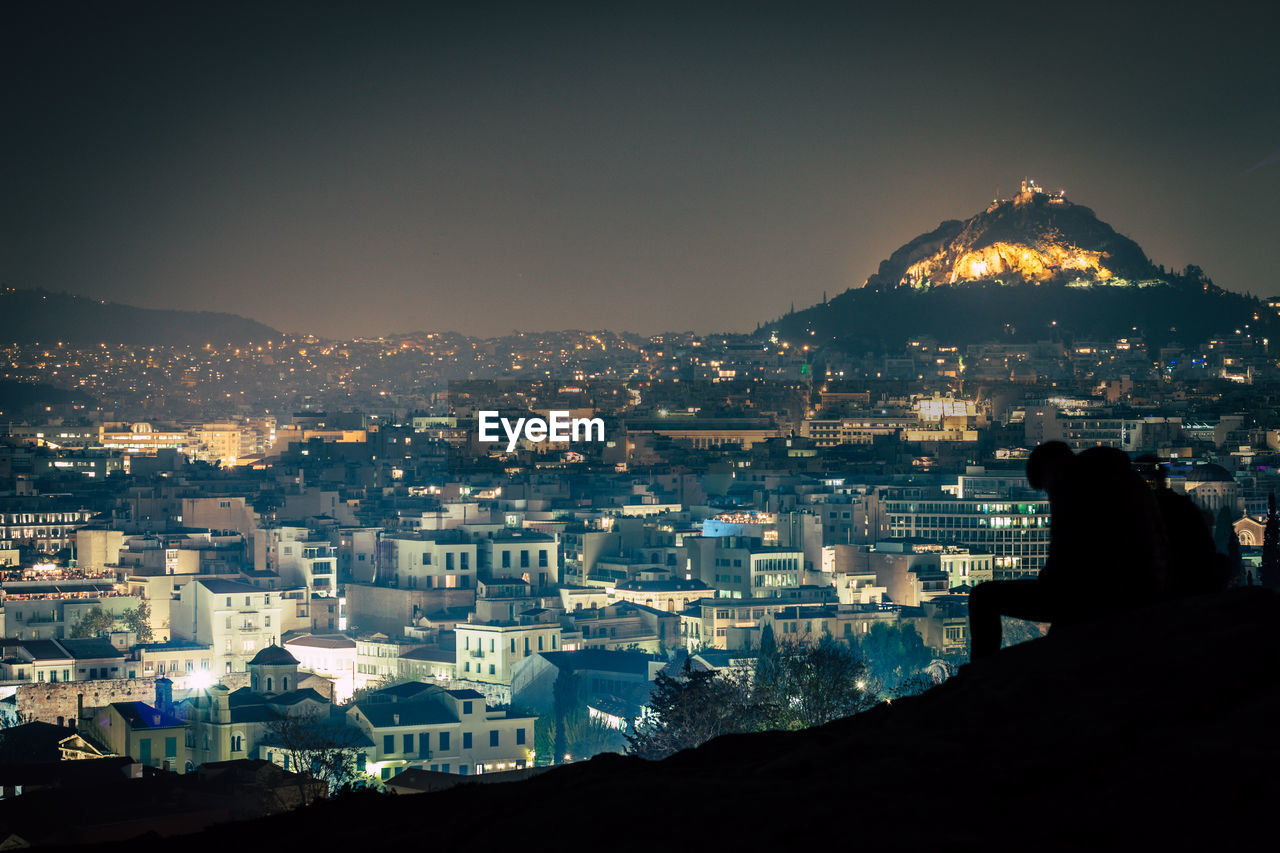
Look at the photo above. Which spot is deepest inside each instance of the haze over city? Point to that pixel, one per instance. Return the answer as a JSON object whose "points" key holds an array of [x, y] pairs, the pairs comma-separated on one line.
{"points": [[354, 171]]}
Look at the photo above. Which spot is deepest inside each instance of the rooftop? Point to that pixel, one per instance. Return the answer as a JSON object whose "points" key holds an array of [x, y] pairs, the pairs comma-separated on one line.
{"points": [[326, 641], [224, 587], [140, 715], [418, 713], [602, 660], [89, 649], [45, 650], [273, 655]]}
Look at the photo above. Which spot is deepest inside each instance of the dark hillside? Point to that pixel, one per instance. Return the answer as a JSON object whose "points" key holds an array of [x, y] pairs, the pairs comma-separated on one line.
{"points": [[1151, 731], [37, 316]]}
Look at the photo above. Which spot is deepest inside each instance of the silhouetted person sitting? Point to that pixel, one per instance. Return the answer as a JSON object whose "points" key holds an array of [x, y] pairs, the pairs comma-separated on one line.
{"points": [[1106, 554], [1195, 567]]}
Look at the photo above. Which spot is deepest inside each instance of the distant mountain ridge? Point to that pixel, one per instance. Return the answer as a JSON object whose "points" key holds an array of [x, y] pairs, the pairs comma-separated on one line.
{"points": [[39, 316], [19, 399], [1014, 269]]}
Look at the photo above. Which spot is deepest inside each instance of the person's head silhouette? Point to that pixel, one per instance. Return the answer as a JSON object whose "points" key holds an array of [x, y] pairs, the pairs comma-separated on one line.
{"points": [[1048, 465]]}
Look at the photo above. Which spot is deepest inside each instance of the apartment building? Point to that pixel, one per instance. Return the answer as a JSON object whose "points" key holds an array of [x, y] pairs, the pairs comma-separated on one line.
{"points": [[427, 727], [236, 620]]}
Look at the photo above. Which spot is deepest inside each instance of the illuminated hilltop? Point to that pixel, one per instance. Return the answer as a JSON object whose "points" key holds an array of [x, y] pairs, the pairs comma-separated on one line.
{"points": [[1020, 267], [1034, 237]]}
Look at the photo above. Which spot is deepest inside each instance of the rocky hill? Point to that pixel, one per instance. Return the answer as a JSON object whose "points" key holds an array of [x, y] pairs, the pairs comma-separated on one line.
{"points": [[1032, 237], [1027, 268], [38, 316], [1150, 731]]}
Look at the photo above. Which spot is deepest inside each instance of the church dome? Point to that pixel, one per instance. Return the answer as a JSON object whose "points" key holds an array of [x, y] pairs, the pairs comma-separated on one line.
{"points": [[273, 655], [1210, 473]]}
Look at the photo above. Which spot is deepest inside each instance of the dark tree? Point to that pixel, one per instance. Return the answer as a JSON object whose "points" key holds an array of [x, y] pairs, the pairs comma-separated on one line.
{"points": [[1224, 530], [95, 623], [795, 686], [138, 620], [1235, 563], [817, 683], [586, 736], [689, 709], [323, 755], [768, 664], [564, 694], [893, 653], [913, 686], [1269, 571]]}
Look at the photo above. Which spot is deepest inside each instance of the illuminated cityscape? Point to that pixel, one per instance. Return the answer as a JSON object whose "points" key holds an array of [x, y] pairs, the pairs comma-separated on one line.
{"points": [[275, 568]]}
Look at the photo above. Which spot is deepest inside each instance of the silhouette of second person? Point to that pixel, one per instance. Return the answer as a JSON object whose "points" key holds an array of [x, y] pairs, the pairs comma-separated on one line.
{"points": [[1107, 549], [1194, 565]]}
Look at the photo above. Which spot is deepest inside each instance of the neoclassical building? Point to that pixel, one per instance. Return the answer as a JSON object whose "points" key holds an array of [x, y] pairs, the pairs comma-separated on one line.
{"points": [[1212, 487], [223, 724], [1250, 531]]}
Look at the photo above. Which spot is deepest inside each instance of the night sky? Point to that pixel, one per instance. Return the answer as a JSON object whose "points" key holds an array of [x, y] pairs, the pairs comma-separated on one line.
{"points": [[359, 169]]}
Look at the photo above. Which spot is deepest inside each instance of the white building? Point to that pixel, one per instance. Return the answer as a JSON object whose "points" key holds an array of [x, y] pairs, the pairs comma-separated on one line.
{"points": [[439, 559], [528, 554], [448, 731], [302, 557], [668, 595], [235, 619], [965, 568], [378, 659], [746, 568], [488, 652], [358, 553], [332, 655]]}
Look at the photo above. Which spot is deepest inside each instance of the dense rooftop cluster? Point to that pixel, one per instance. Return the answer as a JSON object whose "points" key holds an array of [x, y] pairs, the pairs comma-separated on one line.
{"points": [[342, 583]]}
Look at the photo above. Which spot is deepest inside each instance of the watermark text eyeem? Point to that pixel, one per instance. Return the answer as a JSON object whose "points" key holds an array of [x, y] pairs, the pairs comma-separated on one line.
{"points": [[558, 427]]}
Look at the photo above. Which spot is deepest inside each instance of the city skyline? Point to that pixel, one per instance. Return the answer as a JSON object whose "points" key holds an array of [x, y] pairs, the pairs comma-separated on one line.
{"points": [[876, 408], [349, 174]]}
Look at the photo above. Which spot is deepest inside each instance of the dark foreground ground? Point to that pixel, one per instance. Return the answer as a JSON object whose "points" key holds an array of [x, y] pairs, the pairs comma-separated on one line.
{"points": [[1158, 730]]}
